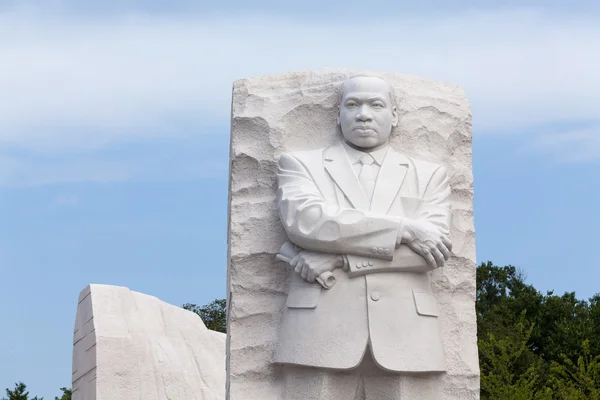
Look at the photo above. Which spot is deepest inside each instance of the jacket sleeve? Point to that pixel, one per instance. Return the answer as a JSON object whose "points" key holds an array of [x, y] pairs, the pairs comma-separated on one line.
{"points": [[434, 208], [313, 223]]}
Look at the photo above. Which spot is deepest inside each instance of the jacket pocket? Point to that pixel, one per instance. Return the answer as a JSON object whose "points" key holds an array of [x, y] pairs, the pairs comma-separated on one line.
{"points": [[425, 303], [303, 296]]}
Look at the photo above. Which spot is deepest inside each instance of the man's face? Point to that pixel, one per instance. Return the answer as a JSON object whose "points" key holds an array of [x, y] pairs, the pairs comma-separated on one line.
{"points": [[366, 114]]}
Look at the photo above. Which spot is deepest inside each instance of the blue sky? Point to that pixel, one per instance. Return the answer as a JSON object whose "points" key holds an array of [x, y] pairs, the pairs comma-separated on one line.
{"points": [[114, 121]]}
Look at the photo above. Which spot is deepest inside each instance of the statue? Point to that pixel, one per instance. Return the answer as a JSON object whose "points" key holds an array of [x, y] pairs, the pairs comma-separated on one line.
{"points": [[365, 226]]}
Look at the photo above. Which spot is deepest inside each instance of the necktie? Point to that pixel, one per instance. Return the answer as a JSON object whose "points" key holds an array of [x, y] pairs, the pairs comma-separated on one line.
{"points": [[368, 175]]}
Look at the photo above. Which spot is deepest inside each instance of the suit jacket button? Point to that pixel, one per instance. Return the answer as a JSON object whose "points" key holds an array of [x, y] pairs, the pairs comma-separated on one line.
{"points": [[380, 250], [375, 296], [374, 249], [370, 263], [386, 251], [365, 264], [358, 266]]}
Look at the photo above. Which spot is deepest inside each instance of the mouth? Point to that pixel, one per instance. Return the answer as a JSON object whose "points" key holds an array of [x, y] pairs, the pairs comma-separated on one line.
{"points": [[364, 130]]}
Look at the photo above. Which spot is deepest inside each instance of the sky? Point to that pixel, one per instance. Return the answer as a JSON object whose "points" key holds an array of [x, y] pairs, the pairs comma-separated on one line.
{"points": [[114, 125]]}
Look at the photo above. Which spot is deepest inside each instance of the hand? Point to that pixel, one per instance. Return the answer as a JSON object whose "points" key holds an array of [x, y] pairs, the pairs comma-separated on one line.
{"points": [[426, 240], [310, 264]]}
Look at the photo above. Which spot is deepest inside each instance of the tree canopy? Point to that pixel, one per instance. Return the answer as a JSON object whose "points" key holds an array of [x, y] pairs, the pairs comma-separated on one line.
{"points": [[214, 315], [20, 393], [534, 345], [66, 394]]}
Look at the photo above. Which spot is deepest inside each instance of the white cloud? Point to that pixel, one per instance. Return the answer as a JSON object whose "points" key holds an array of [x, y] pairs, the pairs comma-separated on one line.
{"points": [[71, 85], [104, 81], [576, 145]]}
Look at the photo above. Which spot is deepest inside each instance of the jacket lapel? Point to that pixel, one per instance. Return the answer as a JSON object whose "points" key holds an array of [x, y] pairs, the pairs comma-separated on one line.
{"points": [[339, 167], [390, 178]]}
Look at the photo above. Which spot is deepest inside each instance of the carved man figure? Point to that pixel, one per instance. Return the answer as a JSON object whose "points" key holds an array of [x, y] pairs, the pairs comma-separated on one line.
{"points": [[378, 221]]}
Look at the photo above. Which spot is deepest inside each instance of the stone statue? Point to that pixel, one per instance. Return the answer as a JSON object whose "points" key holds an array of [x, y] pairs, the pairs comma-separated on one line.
{"points": [[366, 224]]}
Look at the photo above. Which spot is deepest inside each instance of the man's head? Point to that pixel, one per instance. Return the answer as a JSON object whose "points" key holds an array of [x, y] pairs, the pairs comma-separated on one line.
{"points": [[367, 112]]}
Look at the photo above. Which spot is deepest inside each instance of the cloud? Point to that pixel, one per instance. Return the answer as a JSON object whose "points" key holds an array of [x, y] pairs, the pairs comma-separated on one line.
{"points": [[77, 86], [305, 7], [574, 145], [98, 82]]}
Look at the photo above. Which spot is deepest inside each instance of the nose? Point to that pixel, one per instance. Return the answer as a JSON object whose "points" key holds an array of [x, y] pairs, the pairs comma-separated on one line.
{"points": [[363, 114]]}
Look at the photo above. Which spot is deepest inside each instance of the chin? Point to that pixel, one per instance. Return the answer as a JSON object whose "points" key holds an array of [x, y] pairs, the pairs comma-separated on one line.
{"points": [[365, 142]]}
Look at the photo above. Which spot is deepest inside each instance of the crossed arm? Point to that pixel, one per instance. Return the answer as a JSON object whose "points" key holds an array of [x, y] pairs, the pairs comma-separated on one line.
{"points": [[333, 237]]}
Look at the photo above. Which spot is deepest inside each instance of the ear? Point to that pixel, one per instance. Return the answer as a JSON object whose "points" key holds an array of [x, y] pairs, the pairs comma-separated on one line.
{"points": [[337, 119], [394, 117]]}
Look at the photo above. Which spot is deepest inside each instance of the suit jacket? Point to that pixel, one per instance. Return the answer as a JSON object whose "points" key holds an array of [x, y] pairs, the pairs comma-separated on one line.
{"points": [[323, 208]]}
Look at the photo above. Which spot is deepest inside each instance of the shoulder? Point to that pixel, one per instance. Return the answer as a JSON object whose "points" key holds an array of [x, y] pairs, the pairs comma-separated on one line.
{"points": [[306, 158], [428, 170], [433, 177], [428, 174]]}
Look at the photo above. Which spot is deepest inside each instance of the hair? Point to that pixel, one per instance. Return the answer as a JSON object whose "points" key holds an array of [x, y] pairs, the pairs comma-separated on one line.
{"points": [[340, 91]]}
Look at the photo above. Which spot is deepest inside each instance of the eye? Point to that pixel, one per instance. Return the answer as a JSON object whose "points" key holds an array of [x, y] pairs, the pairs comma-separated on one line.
{"points": [[378, 104], [350, 104]]}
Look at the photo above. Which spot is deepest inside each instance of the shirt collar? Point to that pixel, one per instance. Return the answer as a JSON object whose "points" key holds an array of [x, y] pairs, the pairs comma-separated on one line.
{"points": [[354, 155]]}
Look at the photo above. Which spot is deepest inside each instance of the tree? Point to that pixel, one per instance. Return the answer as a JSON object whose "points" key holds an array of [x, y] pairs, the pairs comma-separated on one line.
{"points": [[565, 324], [19, 393], [535, 345], [502, 297], [214, 315], [66, 394], [509, 368], [580, 380]]}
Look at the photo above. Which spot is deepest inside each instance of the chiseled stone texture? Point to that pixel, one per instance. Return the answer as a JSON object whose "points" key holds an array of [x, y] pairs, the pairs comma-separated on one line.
{"points": [[297, 111], [131, 346]]}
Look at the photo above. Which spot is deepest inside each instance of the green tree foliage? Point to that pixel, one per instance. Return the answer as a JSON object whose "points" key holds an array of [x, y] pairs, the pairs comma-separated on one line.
{"points": [[502, 298], [509, 368], [66, 394], [533, 345], [214, 315], [19, 393], [577, 380]]}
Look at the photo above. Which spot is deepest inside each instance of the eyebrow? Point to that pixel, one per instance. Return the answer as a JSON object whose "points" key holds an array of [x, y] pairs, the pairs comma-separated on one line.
{"points": [[374, 98]]}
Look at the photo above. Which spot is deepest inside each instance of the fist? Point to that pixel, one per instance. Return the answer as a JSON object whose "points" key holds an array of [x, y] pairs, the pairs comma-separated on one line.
{"points": [[428, 241], [310, 264]]}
